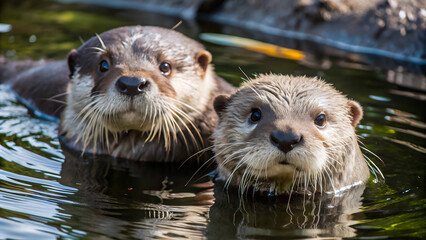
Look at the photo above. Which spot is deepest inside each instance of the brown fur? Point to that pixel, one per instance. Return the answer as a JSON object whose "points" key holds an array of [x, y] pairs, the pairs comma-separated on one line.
{"points": [[169, 121], [327, 158], [41, 85]]}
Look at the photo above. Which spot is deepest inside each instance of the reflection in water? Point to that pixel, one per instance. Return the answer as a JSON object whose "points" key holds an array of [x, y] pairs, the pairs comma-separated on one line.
{"points": [[137, 199], [298, 215], [407, 144], [151, 200]]}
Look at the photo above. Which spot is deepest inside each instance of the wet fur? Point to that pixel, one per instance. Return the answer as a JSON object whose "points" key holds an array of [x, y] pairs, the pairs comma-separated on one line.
{"points": [[168, 122], [326, 160], [41, 85]]}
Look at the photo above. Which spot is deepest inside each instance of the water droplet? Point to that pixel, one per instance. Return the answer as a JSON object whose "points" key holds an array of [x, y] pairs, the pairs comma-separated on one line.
{"points": [[5, 27], [392, 3], [32, 38], [380, 98], [402, 14], [381, 22], [423, 12]]}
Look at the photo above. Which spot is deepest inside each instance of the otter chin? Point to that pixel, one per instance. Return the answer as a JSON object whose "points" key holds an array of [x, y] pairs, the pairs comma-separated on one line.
{"points": [[140, 92], [284, 134]]}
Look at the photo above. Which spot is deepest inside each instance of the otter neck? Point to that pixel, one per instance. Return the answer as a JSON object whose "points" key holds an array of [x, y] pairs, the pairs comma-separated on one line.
{"points": [[351, 170]]}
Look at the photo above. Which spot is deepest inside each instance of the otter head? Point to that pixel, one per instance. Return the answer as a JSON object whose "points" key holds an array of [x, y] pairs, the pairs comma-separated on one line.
{"points": [[148, 79], [282, 132]]}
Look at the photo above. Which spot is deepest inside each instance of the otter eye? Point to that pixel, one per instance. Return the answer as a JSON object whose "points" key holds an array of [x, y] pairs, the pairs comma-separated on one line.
{"points": [[255, 116], [165, 68], [320, 120], [103, 66]]}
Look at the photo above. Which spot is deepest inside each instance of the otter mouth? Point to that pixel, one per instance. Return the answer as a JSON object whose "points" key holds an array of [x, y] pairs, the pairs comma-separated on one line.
{"points": [[283, 162]]}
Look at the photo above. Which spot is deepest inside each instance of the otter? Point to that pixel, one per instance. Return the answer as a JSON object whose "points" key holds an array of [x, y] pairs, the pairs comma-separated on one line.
{"points": [[139, 92], [286, 134]]}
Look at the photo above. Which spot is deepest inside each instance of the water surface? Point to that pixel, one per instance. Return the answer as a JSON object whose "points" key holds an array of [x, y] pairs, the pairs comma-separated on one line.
{"points": [[50, 192]]}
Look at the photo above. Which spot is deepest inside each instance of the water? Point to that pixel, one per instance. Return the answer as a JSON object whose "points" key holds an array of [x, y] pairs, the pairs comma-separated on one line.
{"points": [[48, 192]]}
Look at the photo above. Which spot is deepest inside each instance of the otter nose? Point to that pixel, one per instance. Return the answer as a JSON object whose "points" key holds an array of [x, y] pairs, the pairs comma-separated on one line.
{"points": [[131, 85], [285, 141]]}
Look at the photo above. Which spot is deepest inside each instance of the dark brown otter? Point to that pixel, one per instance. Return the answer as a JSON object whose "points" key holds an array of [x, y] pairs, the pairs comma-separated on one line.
{"points": [[41, 85], [140, 92], [288, 134]]}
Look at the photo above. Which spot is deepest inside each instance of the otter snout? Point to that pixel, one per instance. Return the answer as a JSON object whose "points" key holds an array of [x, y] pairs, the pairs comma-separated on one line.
{"points": [[132, 86], [285, 141]]}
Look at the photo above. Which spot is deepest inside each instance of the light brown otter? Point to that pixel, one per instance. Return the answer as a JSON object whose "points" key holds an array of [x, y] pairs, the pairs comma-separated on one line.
{"points": [[288, 134], [140, 92]]}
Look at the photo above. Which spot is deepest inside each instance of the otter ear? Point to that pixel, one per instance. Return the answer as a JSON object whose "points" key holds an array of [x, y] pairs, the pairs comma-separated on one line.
{"points": [[72, 61], [355, 112], [204, 58], [220, 103]]}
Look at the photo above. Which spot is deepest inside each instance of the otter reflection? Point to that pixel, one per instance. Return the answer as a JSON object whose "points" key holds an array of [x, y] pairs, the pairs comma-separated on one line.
{"points": [[259, 216], [129, 199], [125, 199]]}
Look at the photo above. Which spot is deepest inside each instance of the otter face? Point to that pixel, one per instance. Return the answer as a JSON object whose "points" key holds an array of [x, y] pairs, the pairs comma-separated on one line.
{"points": [[284, 130], [147, 79]]}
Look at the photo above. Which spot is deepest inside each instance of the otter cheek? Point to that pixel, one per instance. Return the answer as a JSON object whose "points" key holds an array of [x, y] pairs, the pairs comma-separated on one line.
{"points": [[258, 160], [80, 89], [319, 161]]}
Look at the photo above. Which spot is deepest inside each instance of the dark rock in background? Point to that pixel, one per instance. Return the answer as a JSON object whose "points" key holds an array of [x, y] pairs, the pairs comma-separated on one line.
{"points": [[391, 28]]}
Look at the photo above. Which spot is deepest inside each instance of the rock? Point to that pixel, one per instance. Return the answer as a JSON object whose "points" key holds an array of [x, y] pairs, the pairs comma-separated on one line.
{"points": [[380, 27]]}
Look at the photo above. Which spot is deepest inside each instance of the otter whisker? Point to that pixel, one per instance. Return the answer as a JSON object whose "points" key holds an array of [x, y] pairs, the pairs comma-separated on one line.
{"points": [[178, 118], [184, 104], [243, 182], [154, 126], [239, 164], [52, 98], [365, 149], [172, 125], [102, 42], [85, 111], [255, 90], [170, 129], [197, 153], [94, 130], [175, 118], [247, 77], [193, 175], [330, 179], [177, 129], [163, 131], [191, 123], [374, 168], [89, 132], [331, 165], [177, 25], [236, 153], [166, 131], [98, 49], [295, 176], [228, 146]]}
